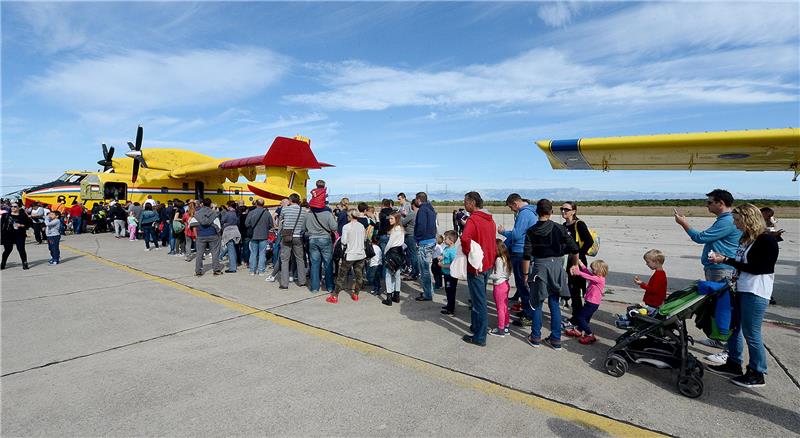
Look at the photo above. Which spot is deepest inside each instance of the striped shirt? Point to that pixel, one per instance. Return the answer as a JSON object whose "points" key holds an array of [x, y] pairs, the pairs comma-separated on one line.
{"points": [[291, 215]]}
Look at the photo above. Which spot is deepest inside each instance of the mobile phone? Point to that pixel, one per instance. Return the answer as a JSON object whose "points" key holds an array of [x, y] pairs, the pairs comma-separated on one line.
{"points": [[675, 210]]}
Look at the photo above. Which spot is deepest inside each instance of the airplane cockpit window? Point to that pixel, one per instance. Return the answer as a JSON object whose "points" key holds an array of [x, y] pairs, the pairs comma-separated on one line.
{"points": [[71, 177]]}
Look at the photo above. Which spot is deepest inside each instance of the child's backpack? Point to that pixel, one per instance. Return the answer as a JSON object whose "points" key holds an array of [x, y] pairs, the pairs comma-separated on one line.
{"points": [[595, 246]]}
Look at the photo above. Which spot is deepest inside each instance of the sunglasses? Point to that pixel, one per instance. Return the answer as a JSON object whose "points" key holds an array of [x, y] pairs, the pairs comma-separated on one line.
{"points": [[565, 209], [14, 206]]}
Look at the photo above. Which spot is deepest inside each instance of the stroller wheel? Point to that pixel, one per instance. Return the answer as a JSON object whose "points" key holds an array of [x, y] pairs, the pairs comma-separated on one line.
{"points": [[690, 386], [616, 365]]}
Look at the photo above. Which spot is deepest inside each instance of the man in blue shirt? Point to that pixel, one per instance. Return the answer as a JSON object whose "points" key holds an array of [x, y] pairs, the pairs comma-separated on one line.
{"points": [[722, 238], [425, 237], [525, 217]]}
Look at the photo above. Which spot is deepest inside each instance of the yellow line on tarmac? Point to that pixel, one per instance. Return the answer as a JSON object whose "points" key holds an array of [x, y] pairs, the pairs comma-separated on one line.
{"points": [[569, 413]]}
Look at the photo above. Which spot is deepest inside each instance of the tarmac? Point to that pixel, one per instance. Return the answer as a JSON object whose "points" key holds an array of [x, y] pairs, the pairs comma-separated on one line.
{"points": [[116, 341]]}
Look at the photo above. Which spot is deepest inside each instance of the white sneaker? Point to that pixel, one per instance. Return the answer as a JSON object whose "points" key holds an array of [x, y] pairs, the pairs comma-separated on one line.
{"points": [[147, 249], [720, 358], [253, 274], [270, 279], [291, 279], [713, 343]]}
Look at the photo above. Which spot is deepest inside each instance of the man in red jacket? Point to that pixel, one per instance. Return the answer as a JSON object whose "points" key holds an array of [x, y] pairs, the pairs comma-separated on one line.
{"points": [[76, 213], [480, 228]]}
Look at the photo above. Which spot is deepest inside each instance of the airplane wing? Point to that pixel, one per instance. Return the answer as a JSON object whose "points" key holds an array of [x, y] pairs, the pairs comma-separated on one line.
{"points": [[764, 149], [284, 152]]}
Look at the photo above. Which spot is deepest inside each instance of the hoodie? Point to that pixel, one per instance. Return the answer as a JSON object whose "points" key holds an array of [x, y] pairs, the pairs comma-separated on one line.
{"points": [[526, 218], [207, 222], [425, 224], [482, 229], [548, 239]]}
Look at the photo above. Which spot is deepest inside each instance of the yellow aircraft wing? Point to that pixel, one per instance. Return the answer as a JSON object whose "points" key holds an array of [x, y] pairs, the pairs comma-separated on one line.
{"points": [[763, 149]]}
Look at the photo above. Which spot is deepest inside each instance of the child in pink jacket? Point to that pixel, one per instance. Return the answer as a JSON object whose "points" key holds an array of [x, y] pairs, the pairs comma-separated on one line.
{"points": [[596, 286]]}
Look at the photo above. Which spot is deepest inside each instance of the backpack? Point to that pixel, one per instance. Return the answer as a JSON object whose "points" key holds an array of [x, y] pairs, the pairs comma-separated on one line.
{"points": [[368, 249], [177, 227], [595, 246]]}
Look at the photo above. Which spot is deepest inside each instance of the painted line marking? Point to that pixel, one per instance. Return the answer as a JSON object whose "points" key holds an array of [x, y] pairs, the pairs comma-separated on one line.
{"points": [[568, 412]]}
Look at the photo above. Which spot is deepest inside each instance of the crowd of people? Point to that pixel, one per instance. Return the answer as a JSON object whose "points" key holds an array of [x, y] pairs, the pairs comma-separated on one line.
{"points": [[351, 248]]}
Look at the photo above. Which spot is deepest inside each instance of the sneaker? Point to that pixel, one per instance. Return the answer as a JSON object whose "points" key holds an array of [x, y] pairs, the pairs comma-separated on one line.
{"points": [[713, 343], [555, 345], [573, 333], [588, 339], [506, 331], [719, 358], [497, 332], [751, 379], [291, 279], [217, 272], [534, 342], [566, 325], [253, 274], [147, 249], [270, 279], [522, 322], [470, 340], [446, 312], [728, 369], [354, 296], [332, 299]]}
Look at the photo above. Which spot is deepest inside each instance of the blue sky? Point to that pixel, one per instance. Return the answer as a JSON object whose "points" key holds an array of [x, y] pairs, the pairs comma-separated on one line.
{"points": [[405, 95]]}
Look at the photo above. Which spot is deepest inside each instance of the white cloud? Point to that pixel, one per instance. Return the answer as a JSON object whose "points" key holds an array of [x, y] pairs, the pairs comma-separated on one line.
{"points": [[558, 14], [656, 29], [50, 25], [654, 54], [139, 81]]}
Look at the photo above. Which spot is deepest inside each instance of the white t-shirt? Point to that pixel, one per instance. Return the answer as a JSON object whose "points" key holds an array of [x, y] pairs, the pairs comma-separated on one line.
{"points": [[376, 261], [758, 285], [353, 235]]}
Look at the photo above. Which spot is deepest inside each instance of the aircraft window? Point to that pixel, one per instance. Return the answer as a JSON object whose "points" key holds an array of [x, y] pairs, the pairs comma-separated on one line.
{"points": [[73, 178], [235, 192], [164, 190], [64, 177], [94, 188]]}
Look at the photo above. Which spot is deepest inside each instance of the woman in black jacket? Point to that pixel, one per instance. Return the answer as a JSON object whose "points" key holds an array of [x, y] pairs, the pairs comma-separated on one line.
{"points": [[13, 231], [755, 274], [580, 232]]}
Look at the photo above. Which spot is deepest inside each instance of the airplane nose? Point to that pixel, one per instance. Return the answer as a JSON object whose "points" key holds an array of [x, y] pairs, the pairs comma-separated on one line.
{"points": [[133, 154]]}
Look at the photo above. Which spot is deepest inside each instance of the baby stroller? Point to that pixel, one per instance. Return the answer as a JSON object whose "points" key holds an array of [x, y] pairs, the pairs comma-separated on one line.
{"points": [[662, 341]]}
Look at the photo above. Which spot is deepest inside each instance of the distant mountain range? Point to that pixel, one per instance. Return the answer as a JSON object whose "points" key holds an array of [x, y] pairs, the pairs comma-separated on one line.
{"points": [[560, 194]]}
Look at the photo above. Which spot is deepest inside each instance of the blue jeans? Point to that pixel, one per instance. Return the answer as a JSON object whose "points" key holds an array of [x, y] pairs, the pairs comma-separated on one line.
{"points": [[585, 316], [555, 319], [52, 245], [76, 225], [246, 249], [320, 250], [258, 256], [230, 251], [479, 317], [411, 255], [424, 256], [276, 251], [748, 312], [149, 235], [522, 287], [170, 236], [374, 277]]}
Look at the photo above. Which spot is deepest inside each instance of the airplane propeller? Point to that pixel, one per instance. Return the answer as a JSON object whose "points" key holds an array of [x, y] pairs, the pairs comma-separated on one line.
{"points": [[136, 154], [108, 154]]}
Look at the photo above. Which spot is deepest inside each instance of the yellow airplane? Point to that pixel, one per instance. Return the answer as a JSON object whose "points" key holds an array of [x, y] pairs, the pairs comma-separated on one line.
{"points": [[761, 149], [167, 174]]}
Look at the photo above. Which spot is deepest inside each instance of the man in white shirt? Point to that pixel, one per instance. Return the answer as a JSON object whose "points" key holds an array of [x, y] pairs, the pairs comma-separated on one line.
{"points": [[353, 236]]}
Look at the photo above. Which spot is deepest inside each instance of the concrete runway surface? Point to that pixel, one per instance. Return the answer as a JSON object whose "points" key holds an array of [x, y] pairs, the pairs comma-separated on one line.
{"points": [[116, 341]]}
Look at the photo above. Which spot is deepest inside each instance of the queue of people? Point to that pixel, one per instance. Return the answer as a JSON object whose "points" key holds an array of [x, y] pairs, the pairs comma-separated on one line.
{"points": [[312, 245]]}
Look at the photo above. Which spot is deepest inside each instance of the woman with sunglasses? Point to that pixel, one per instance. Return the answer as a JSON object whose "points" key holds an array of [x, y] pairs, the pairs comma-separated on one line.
{"points": [[580, 232], [13, 231]]}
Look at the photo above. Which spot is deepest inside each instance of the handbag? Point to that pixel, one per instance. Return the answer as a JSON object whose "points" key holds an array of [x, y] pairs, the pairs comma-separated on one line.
{"points": [[368, 249], [287, 235]]}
